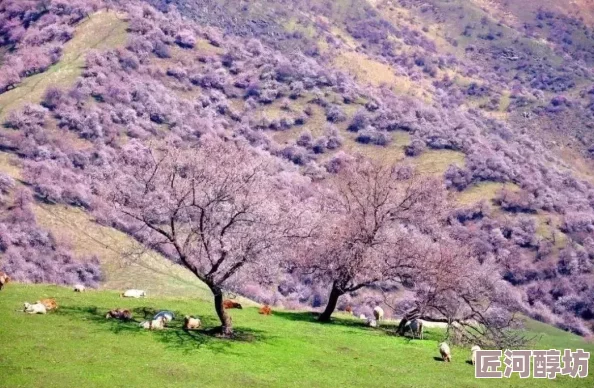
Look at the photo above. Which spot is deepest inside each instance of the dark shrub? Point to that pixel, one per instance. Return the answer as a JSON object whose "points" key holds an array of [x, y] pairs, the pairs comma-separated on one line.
{"points": [[415, 148], [360, 121], [372, 136], [334, 114]]}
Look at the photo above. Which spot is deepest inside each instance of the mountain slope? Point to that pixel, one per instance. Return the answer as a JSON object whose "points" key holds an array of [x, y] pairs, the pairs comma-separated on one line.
{"points": [[486, 94]]}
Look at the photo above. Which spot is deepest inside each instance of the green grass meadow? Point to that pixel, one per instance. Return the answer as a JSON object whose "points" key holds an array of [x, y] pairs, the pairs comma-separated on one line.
{"points": [[77, 347]]}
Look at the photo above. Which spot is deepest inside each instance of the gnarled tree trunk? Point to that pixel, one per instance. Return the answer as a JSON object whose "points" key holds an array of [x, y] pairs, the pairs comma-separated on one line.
{"points": [[331, 306], [224, 317]]}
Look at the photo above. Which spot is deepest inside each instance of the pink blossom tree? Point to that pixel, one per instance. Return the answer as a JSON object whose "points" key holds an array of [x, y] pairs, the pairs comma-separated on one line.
{"points": [[219, 209], [372, 214], [450, 285]]}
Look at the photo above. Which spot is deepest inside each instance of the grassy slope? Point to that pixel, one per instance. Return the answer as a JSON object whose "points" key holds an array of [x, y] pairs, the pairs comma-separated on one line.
{"points": [[125, 263], [76, 347], [101, 30]]}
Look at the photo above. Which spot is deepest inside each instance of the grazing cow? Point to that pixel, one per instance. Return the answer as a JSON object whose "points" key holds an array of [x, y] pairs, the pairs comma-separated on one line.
{"points": [[50, 304], [37, 308], [445, 352], [474, 349], [378, 313], [4, 278], [411, 315], [348, 310], [416, 328], [191, 323], [371, 322], [229, 304], [121, 314], [79, 288], [265, 310], [167, 316], [156, 324], [133, 294]]}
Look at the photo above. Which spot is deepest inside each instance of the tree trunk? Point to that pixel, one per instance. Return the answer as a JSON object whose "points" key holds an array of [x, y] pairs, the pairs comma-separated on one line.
{"points": [[224, 317], [331, 306]]}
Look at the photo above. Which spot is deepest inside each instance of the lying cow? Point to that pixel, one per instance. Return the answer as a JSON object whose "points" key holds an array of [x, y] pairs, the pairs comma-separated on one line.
{"points": [[50, 304], [229, 304], [155, 324], [121, 314], [133, 294], [265, 310], [167, 316], [191, 323], [37, 308]]}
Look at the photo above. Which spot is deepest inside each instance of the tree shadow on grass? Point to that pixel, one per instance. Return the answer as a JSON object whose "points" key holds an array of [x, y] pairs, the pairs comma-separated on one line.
{"points": [[174, 335], [355, 323], [388, 328]]}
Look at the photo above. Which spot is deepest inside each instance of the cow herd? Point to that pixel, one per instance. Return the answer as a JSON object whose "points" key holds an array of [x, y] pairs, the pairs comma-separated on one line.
{"points": [[415, 326], [160, 320]]}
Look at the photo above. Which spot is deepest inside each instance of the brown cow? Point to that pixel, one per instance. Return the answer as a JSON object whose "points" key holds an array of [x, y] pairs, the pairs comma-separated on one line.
{"points": [[265, 310], [348, 309], [121, 314], [229, 304], [4, 278], [50, 304]]}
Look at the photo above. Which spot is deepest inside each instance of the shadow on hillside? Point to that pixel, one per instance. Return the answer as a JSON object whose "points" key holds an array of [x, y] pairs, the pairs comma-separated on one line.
{"points": [[173, 336], [312, 317]]}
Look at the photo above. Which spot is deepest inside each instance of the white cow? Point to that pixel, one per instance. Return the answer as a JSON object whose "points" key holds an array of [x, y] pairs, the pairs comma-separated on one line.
{"points": [[474, 349], [378, 313], [444, 350], [133, 294], [37, 308], [156, 324]]}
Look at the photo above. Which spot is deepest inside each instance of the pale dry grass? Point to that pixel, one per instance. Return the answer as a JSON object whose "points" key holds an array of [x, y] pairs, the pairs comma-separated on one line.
{"points": [[376, 73], [436, 162], [204, 47], [391, 154], [9, 165], [483, 191], [580, 166], [547, 226], [315, 123], [293, 25], [505, 101], [344, 36], [496, 10], [367, 69], [124, 261]]}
